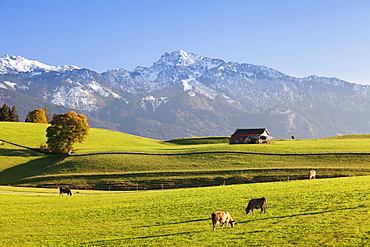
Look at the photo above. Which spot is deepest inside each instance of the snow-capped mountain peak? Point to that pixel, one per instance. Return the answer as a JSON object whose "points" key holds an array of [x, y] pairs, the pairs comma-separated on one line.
{"points": [[178, 58], [185, 94], [16, 64], [184, 59]]}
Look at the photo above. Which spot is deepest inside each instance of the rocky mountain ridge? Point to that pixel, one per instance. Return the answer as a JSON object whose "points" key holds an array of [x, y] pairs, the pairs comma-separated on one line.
{"points": [[185, 94]]}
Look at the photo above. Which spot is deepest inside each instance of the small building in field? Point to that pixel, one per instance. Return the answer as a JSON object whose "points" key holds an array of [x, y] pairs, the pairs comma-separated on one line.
{"points": [[251, 136]]}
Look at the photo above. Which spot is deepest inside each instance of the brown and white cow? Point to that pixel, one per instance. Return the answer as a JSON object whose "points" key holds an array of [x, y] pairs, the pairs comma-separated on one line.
{"points": [[222, 217], [256, 204], [312, 174]]}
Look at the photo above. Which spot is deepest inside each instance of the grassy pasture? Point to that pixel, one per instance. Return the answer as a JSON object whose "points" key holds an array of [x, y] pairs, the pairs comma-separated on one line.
{"points": [[324, 212], [321, 212], [133, 171], [118, 161], [105, 141]]}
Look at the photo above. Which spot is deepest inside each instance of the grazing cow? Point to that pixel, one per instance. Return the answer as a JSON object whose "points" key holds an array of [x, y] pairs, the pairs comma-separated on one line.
{"points": [[222, 217], [256, 204], [312, 174], [64, 190]]}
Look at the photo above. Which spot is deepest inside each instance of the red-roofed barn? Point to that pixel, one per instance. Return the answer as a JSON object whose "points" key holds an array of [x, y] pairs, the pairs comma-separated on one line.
{"points": [[250, 136]]}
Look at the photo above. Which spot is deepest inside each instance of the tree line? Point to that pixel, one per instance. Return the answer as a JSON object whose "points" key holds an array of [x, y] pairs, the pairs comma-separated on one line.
{"points": [[65, 129], [9, 114]]}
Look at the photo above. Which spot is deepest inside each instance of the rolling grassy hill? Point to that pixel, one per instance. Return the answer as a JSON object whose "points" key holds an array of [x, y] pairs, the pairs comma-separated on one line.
{"points": [[301, 212], [116, 161]]}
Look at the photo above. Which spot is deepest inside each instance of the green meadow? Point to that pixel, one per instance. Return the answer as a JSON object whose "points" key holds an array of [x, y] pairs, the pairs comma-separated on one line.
{"points": [[110, 160], [133, 191], [321, 212]]}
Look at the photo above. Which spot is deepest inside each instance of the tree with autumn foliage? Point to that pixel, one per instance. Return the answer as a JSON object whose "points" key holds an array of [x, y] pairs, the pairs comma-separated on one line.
{"points": [[65, 130], [36, 116]]}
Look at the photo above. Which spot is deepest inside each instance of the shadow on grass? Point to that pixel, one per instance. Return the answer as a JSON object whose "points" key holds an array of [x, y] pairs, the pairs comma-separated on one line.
{"points": [[165, 235], [28, 169], [19, 152], [134, 181], [158, 180], [117, 241], [175, 223], [297, 215], [25, 147], [226, 152]]}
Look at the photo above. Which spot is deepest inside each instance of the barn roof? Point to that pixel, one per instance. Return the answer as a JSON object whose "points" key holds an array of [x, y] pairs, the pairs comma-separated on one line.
{"points": [[244, 133]]}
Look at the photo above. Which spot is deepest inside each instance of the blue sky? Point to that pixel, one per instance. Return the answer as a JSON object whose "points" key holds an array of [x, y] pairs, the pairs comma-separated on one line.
{"points": [[297, 37]]}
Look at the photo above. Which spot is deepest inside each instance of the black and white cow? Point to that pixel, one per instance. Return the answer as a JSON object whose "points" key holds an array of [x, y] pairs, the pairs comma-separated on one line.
{"points": [[64, 190], [256, 204]]}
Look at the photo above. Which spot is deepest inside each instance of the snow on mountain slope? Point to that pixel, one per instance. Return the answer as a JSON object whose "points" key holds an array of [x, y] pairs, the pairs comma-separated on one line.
{"points": [[183, 59], [197, 95], [15, 64]]}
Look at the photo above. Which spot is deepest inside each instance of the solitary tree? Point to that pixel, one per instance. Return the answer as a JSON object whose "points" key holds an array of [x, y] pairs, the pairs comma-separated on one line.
{"points": [[36, 116], [65, 130]]}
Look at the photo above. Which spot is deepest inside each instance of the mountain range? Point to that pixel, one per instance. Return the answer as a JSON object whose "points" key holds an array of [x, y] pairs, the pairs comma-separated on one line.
{"points": [[185, 94]]}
